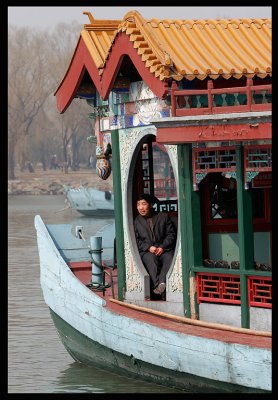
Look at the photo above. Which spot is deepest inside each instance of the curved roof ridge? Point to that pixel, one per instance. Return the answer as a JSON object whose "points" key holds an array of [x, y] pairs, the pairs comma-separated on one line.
{"points": [[162, 49], [138, 30], [163, 46]]}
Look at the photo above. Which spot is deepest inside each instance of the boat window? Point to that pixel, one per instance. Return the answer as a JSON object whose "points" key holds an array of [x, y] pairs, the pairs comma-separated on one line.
{"points": [[222, 199], [158, 176], [220, 220]]}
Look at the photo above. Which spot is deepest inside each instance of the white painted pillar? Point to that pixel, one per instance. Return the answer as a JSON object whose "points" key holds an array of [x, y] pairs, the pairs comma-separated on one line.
{"points": [[96, 250]]}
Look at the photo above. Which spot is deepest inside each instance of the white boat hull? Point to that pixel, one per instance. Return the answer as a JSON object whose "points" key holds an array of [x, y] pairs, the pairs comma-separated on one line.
{"points": [[142, 348]]}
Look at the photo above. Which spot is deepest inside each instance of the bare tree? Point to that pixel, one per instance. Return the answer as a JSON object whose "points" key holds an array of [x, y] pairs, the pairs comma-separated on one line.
{"points": [[62, 43], [75, 127], [36, 65], [27, 87]]}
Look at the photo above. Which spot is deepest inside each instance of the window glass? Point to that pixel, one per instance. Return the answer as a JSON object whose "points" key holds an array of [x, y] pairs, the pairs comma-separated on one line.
{"points": [[223, 198]]}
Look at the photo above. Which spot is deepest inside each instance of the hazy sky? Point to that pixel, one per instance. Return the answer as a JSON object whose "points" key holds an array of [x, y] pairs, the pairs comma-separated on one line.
{"points": [[49, 17]]}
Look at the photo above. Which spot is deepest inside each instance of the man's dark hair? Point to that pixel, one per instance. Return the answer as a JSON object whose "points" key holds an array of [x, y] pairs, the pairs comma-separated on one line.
{"points": [[145, 196], [149, 198]]}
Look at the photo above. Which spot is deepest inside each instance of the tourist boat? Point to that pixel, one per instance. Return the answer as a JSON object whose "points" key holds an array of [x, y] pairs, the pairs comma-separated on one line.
{"points": [[97, 329], [189, 122], [90, 201]]}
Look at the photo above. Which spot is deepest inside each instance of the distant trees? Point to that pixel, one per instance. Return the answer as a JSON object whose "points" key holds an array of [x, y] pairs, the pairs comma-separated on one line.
{"points": [[27, 89], [76, 127], [37, 62]]}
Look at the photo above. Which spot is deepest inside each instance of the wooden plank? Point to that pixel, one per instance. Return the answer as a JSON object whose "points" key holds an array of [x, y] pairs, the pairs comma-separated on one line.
{"points": [[185, 320]]}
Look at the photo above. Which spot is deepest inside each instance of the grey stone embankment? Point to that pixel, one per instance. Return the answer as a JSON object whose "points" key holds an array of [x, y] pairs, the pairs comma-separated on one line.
{"points": [[51, 182]]}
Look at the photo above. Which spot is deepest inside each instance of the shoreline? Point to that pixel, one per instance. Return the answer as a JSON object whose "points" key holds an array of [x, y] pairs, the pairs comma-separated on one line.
{"points": [[50, 182]]}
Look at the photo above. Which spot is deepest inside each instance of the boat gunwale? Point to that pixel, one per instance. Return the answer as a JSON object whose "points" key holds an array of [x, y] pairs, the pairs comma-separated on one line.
{"points": [[182, 325]]}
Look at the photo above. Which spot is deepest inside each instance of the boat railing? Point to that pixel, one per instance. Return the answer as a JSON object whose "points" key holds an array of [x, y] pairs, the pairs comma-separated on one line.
{"points": [[220, 101], [225, 288]]}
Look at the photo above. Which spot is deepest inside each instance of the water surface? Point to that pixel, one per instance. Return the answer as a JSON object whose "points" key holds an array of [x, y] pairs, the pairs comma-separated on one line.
{"points": [[37, 360]]}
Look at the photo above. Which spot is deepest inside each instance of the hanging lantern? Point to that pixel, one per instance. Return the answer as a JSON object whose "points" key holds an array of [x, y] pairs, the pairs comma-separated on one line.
{"points": [[103, 164], [103, 167]]}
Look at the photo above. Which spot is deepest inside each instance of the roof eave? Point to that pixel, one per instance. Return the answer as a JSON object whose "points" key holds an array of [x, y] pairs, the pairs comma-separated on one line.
{"points": [[104, 81]]}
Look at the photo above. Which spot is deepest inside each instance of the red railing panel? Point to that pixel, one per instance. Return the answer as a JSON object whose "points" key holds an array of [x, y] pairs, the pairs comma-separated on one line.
{"points": [[211, 101], [220, 288]]}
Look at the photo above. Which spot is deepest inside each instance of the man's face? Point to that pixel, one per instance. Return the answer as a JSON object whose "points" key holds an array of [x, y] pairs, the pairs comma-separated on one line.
{"points": [[143, 207]]}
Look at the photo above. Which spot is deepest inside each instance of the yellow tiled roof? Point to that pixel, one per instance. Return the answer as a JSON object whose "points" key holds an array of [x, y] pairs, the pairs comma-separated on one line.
{"points": [[98, 37], [187, 48]]}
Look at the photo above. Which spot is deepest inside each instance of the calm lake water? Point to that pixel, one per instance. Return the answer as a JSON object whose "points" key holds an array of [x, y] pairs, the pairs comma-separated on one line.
{"points": [[37, 360]]}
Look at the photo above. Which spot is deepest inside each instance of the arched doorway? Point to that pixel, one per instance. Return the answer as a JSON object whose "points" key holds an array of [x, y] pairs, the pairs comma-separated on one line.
{"points": [[152, 172]]}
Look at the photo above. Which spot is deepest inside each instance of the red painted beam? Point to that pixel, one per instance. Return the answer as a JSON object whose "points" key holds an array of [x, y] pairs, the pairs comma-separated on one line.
{"points": [[235, 132]]}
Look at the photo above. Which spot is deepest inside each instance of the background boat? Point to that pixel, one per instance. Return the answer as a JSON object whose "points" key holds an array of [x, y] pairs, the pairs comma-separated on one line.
{"points": [[90, 201]]}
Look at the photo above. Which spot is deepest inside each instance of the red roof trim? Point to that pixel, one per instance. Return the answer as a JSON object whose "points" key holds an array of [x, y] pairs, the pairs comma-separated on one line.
{"points": [[82, 60], [123, 46]]}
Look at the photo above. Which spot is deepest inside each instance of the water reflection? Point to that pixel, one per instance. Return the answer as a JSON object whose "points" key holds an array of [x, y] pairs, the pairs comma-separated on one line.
{"points": [[78, 378]]}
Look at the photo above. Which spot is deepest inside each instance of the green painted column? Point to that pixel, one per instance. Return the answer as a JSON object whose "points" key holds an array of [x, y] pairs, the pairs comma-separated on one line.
{"points": [[197, 228], [116, 170], [186, 220], [197, 236], [245, 234]]}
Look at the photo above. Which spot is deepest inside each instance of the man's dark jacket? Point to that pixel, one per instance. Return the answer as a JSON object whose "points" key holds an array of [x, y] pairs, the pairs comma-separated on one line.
{"points": [[163, 229]]}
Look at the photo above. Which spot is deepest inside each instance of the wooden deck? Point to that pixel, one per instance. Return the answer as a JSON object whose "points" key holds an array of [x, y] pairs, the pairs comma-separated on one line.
{"points": [[82, 270]]}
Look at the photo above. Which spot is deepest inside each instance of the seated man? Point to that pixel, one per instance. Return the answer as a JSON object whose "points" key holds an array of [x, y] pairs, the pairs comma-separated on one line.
{"points": [[156, 239]]}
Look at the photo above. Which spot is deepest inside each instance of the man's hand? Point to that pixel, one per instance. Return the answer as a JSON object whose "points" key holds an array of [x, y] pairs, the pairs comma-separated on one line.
{"points": [[156, 250], [153, 249], [159, 251]]}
